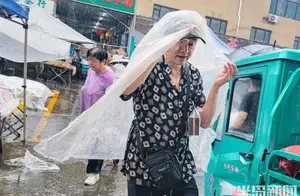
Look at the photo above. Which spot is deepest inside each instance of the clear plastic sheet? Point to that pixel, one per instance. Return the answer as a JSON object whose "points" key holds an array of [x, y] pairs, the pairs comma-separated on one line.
{"points": [[16, 162], [35, 164], [102, 130], [201, 147], [8, 103], [32, 163], [37, 93]]}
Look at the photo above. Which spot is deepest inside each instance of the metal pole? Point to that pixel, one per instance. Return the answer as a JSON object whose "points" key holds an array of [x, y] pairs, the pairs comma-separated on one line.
{"points": [[2, 121], [239, 19], [25, 78]]}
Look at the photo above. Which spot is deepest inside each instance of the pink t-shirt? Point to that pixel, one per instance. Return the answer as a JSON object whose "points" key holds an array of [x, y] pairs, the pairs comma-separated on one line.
{"points": [[94, 87]]}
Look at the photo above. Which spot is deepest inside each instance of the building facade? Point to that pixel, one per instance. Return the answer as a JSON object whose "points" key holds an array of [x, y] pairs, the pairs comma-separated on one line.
{"points": [[236, 22]]}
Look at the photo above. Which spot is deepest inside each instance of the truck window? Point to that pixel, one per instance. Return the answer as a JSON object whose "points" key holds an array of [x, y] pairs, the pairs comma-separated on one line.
{"points": [[244, 107]]}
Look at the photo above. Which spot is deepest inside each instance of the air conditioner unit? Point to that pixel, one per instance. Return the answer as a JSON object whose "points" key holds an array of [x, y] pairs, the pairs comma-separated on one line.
{"points": [[273, 18]]}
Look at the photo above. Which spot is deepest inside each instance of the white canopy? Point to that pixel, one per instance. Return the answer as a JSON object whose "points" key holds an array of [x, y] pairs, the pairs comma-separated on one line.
{"points": [[41, 46], [46, 23]]}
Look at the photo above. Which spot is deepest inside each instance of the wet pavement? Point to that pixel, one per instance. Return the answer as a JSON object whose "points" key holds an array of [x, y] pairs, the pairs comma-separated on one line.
{"points": [[17, 180]]}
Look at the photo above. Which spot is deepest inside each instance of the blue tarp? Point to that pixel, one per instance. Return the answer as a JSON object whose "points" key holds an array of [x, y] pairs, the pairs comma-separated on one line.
{"points": [[12, 8]]}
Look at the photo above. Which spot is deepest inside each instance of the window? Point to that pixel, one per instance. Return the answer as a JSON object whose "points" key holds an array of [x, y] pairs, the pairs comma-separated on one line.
{"points": [[159, 11], [260, 35], [297, 43], [244, 107], [217, 25], [286, 8]]}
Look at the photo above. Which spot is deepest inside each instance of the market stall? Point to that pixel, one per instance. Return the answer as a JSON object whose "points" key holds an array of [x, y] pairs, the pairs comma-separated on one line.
{"points": [[58, 68], [46, 23], [11, 10], [40, 46], [11, 101], [105, 22], [28, 45]]}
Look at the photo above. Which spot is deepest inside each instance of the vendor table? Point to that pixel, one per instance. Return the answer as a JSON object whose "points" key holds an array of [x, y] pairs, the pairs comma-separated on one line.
{"points": [[13, 127], [8, 103], [59, 68], [11, 94]]}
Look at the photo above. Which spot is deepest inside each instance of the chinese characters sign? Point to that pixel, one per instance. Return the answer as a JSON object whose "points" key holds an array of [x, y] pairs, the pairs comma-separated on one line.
{"points": [[118, 5], [46, 5], [42, 3], [262, 190]]}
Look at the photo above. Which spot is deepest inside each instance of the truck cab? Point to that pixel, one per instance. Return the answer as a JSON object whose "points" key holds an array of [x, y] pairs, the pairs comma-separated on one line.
{"points": [[260, 119]]}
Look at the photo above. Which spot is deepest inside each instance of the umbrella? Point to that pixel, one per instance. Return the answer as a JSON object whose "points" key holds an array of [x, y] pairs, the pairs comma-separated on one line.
{"points": [[250, 50]]}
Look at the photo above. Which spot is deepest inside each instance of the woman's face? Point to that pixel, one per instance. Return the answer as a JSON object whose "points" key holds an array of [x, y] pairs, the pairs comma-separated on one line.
{"points": [[95, 64], [181, 52]]}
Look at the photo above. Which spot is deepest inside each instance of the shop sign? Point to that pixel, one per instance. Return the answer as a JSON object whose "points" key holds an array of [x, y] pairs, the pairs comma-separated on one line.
{"points": [[126, 6], [46, 5]]}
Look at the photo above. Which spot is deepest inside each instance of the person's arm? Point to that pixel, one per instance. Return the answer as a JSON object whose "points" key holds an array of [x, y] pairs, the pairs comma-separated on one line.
{"points": [[239, 119], [140, 80], [209, 107]]}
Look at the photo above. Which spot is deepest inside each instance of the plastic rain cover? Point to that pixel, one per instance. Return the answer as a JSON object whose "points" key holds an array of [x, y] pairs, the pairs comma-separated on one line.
{"points": [[37, 93], [32, 163], [102, 130], [8, 103]]}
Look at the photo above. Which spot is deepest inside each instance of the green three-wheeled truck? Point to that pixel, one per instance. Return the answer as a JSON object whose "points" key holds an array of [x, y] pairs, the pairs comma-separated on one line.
{"points": [[257, 149]]}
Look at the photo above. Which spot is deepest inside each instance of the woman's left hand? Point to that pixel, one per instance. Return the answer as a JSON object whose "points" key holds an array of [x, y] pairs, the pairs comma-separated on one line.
{"points": [[229, 71]]}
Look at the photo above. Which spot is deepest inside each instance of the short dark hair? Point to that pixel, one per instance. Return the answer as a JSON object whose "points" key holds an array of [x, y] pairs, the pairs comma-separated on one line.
{"points": [[98, 53]]}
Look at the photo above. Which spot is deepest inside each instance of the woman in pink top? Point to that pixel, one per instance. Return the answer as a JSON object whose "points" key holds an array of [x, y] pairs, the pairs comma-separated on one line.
{"points": [[99, 78]]}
